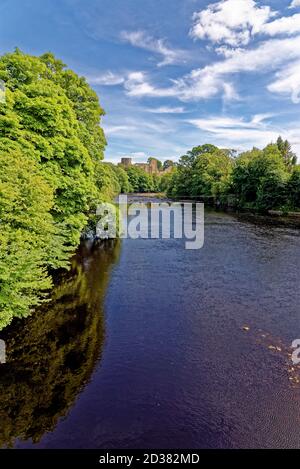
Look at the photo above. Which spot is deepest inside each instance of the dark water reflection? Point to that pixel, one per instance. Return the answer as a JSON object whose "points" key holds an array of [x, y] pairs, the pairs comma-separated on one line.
{"points": [[51, 355], [196, 350]]}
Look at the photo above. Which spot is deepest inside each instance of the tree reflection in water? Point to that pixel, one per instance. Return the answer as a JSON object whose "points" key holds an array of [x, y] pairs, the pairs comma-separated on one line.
{"points": [[51, 355]]}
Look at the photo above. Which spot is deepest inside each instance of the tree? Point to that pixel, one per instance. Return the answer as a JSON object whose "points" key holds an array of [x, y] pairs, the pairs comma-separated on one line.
{"points": [[293, 188], [285, 149], [26, 236], [203, 171], [122, 178], [139, 180], [55, 116], [51, 145], [168, 164], [165, 181], [107, 181], [259, 179]]}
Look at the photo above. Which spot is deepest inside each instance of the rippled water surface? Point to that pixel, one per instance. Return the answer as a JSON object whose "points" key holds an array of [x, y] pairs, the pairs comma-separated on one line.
{"points": [[146, 344]]}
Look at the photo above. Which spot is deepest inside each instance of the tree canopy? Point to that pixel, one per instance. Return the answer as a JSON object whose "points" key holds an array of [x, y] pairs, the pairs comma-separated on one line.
{"points": [[257, 179], [51, 148]]}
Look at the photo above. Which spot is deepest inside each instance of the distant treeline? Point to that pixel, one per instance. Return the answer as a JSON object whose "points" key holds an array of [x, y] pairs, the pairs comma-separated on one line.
{"points": [[119, 179], [257, 179]]}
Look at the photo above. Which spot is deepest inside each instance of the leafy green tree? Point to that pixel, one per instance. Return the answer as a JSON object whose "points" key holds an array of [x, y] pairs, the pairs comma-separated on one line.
{"points": [[107, 181], [55, 116], [259, 179], [139, 180], [168, 164], [293, 188], [165, 181], [51, 146], [290, 158], [27, 234], [203, 171], [123, 179]]}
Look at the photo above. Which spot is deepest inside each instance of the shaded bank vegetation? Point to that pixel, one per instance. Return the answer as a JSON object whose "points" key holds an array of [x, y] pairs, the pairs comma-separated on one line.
{"points": [[52, 354], [257, 179]]}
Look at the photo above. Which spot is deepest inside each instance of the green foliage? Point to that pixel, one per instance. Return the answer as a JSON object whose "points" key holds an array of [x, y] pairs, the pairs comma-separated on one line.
{"points": [[139, 180], [203, 171], [166, 180], [27, 234], [123, 179], [285, 149], [107, 181], [168, 164], [51, 175], [293, 188], [257, 179]]}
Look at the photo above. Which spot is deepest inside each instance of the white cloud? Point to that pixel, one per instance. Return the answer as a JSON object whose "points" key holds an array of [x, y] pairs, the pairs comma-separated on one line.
{"points": [[137, 85], [295, 4], [216, 124], [158, 46], [234, 22], [243, 134], [281, 57], [167, 110], [288, 82], [195, 86], [268, 56], [118, 129], [229, 92], [106, 79], [230, 21], [273, 55], [287, 25], [237, 132]]}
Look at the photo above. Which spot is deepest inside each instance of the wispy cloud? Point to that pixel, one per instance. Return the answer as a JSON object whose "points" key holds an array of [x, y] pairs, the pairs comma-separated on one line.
{"points": [[106, 79], [242, 133], [278, 56], [158, 46], [215, 124], [287, 82], [167, 110], [268, 56], [118, 129]]}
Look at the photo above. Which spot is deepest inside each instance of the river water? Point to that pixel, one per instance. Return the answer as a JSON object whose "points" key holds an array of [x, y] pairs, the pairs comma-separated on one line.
{"points": [[148, 345]]}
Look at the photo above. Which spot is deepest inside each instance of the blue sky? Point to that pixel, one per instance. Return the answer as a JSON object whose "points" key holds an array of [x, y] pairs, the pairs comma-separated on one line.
{"points": [[172, 74]]}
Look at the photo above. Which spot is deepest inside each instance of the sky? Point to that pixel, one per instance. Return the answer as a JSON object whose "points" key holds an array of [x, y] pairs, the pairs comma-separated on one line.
{"points": [[173, 74]]}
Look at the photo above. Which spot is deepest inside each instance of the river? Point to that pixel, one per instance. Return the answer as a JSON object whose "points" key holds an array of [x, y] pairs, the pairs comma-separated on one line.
{"points": [[148, 345]]}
